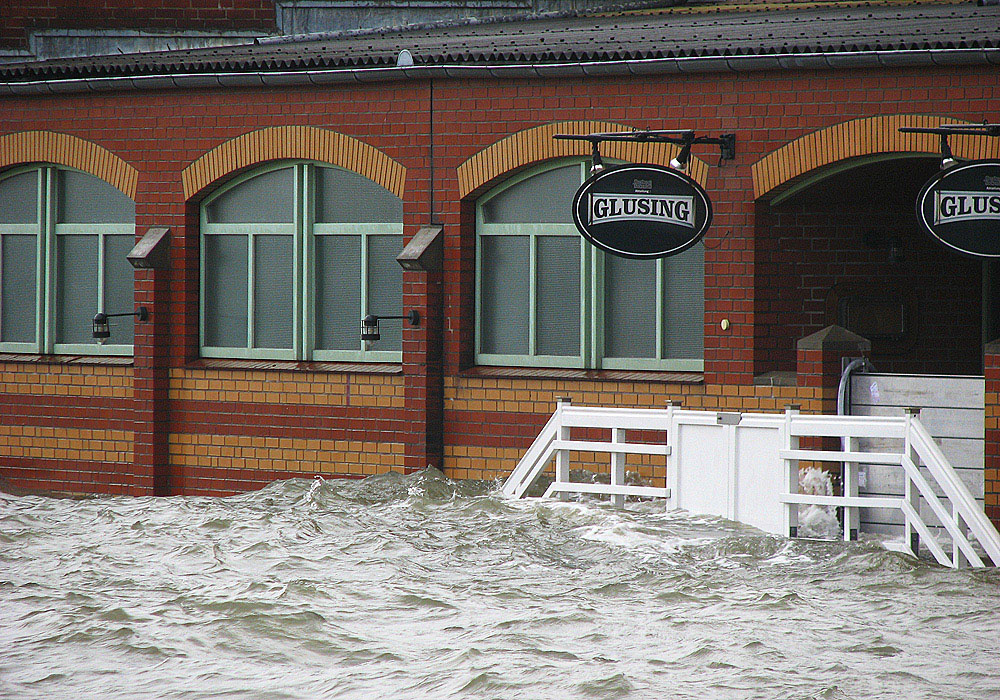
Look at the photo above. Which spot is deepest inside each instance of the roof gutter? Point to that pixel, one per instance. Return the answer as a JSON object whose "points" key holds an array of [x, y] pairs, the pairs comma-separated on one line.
{"points": [[653, 66]]}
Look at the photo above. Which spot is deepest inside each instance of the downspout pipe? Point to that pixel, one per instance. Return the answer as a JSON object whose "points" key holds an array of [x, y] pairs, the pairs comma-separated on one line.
{"points": [[654, 66], [860, 364]]}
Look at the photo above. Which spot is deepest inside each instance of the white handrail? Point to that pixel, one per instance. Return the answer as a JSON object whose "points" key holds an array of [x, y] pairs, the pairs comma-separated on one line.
{"points": [[784, 433]]}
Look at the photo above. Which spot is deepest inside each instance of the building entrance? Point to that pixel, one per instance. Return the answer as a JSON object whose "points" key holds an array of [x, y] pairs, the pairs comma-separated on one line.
{"points": [[846, 249]]}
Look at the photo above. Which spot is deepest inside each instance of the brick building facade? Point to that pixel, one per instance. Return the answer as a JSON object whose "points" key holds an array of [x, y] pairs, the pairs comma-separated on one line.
{"points": [[806, 217]]}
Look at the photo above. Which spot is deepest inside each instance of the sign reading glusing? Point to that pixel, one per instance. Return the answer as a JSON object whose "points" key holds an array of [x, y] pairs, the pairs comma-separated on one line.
{"points": [[642, 211], [960, 207]]}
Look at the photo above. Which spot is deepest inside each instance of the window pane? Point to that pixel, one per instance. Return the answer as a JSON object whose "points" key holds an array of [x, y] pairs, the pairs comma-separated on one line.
{"points": [[119, 290], [85, 199], [226, 291], [338, 292], [546, 198], [684, 304], [19, 199], [629, 307], [385, 288], [272, 296], [76, 289], [264, 199], [504, 295], [17, 288], [558, 302], [343, 197]]}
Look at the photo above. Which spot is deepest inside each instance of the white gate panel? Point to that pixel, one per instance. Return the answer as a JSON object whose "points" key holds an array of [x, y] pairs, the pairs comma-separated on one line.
{"points": [[702, 480], [760, 475]]}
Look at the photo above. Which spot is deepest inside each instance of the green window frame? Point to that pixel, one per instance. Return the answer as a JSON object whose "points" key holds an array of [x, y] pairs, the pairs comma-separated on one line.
{"points": [[611, 313], [329, 273], [62, 260]]}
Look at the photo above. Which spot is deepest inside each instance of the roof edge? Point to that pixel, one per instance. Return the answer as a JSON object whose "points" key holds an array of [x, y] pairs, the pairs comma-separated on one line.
{"points": [[902, 58]]}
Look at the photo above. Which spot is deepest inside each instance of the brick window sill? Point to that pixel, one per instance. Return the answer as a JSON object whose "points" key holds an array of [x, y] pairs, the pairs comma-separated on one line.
{"points": [[585, 374], [295, 366], [99, 360]]}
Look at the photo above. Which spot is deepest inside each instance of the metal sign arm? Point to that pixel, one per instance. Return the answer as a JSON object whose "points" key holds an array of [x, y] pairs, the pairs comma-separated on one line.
{"points": [[681, 137]]}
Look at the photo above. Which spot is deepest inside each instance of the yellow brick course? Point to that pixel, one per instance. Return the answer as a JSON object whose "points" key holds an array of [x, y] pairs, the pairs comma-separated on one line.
{"points": [[291, 388], [32, 442], [284, 454], [92, 381]]}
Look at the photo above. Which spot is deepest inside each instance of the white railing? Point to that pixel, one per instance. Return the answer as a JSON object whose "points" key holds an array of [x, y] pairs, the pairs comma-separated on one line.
{"points": [[745, 466]]}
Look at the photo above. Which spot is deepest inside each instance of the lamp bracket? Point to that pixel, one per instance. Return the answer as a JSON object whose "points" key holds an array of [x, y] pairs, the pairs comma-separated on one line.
{"points": [[680, 137]]}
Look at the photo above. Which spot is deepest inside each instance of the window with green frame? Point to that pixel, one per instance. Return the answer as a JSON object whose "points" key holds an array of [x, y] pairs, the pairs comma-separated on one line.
{"points": [[64, 237], [292, 257], [545, 297]]}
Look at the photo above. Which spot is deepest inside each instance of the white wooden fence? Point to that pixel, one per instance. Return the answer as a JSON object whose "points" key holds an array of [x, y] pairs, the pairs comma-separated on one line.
{"points": [[745, 467]]}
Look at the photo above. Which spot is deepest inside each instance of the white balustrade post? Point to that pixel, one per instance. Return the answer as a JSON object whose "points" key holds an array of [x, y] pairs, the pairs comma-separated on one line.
{"points": [[850, 487], [672, 480], [562, 456], [958, 558], [791, 472], [618, 467], [910, 493]]}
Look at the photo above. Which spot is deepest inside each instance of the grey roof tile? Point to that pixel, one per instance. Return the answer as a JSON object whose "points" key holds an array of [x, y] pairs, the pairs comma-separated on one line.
{"points": [[584, 38]]}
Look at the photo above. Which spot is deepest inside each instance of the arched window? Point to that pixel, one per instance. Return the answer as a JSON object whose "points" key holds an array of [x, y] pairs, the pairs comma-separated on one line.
{"points": [[64, 236], [293, 256], [546, 297]]}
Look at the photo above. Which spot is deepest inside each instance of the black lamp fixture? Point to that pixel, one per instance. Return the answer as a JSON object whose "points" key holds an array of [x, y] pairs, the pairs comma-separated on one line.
{"points": [[597, 164], [369, 324], [102, 331], [947, 158]]}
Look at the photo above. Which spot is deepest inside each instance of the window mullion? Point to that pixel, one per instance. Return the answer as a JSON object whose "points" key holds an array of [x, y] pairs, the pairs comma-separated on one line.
{"points": [[301, 252], [251, 262], [532, 294], [478, 325], [100, 273], [661, 331], [363, 247], [46, 261], [592, 294]]}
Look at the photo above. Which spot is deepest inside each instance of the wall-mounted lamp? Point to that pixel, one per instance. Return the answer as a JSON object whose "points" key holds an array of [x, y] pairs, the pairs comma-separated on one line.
{"points": [[424, 251], [597, 163], [369, 324], [151, 252], [947, 159], [682, 159], [102, 331]]}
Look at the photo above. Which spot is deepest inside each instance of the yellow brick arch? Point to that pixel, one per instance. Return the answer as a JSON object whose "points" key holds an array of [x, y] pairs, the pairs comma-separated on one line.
{"points": [[24, 147], [293, 142], [814, 154], [537, 144]]}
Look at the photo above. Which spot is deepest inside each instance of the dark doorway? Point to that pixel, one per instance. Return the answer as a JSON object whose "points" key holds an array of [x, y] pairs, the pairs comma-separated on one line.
{"points": [[846, 249]]}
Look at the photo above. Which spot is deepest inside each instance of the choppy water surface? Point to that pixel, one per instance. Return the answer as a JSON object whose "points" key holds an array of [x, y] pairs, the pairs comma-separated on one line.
{"points": [[418, 587]]}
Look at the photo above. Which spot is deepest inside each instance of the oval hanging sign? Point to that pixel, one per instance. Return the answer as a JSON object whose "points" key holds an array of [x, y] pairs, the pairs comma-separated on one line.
{"points": [[960, 207], [642, 211]]}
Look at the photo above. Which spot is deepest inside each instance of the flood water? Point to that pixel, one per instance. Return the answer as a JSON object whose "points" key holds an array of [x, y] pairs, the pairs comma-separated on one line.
{"points": [[420, 587]]}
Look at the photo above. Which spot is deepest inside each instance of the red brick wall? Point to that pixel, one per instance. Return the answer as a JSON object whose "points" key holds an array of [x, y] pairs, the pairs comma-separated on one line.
{"points": [[20, 16], [991, 477], [432, 421]]}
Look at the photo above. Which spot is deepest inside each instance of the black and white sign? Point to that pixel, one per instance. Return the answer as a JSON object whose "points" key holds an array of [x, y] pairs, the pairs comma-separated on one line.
{"points": [[642, 211], [960, 207]]}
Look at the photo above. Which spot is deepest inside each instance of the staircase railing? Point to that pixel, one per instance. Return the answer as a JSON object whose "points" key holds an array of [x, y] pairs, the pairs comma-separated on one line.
{"points": [[762, 464]]}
